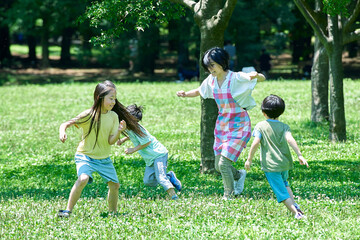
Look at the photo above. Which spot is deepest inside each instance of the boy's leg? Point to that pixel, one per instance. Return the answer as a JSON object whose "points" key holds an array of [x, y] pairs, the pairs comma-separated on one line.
{"points": [[227, 172], [76, 190], [289, 203], [113, 196], [279, 185], [293, 199]]}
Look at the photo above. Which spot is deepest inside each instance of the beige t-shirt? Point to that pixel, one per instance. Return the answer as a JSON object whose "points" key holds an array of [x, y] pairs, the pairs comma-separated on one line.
{"points": [[109, 124], [241, 88]]}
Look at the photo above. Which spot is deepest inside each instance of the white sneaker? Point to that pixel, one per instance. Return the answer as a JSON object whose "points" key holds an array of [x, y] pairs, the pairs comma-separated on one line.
{"points": [[299, 216], [239, 184]]}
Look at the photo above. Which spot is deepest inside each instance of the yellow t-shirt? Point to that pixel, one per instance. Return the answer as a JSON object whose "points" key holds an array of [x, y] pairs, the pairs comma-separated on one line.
{"points": [[109, 124]]}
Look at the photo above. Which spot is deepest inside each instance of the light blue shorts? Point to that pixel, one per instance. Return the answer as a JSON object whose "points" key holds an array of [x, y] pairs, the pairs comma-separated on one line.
{"points": [[278, 183], [104, 167]]}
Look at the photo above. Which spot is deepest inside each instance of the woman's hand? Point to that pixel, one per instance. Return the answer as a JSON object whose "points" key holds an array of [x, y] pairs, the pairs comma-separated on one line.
{"points": [[181, 93]]}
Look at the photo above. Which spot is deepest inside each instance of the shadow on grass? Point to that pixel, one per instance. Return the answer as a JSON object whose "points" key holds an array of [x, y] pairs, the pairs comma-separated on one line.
{"points": [[333, 179]]}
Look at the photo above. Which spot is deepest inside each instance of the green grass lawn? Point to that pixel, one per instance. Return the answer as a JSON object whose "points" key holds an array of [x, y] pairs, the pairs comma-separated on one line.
{"points": [[37, 170]]}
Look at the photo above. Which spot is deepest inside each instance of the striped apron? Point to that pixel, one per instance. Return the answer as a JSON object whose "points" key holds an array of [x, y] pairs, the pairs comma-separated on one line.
{"points": [[233, 127]]}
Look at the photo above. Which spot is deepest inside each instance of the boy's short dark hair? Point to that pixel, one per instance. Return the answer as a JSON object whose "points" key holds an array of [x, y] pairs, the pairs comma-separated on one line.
{"points": [[136, 111], [218, 55], [273, 106]]}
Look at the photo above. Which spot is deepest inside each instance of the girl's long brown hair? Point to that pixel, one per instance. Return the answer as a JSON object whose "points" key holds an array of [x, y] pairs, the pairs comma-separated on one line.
{"points": [[101, 90]]}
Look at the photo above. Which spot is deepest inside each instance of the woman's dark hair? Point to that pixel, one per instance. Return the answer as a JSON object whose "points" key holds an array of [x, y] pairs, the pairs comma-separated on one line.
{"points": [[135, 111], [273, 106], [101, 90], [218, 55]]}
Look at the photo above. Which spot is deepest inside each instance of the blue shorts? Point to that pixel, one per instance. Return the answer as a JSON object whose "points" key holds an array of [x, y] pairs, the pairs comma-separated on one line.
{"points": [[278, 183], [104, 167]]}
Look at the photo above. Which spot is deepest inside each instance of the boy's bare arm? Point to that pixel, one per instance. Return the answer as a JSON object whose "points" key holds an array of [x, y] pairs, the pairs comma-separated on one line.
{"points": [[290, 139], [253, 149]]}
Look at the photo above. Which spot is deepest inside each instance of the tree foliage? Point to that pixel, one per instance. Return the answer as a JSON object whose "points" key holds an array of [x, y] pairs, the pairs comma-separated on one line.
{"points": [[112, 17]]}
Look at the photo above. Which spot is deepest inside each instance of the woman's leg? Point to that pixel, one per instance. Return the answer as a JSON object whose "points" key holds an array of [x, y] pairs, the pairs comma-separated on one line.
{"points": [[76, 190], [228, 172], [113, 196]]}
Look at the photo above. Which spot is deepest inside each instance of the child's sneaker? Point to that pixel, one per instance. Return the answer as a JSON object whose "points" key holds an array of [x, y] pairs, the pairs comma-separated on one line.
{"points": [[64, 213], [298, 208], [239, 184], [226, 198], [176, 182], [175, 197]]}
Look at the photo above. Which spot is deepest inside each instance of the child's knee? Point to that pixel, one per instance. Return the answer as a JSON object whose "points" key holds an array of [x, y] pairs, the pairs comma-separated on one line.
{"points": [[114, 186], [223, 165], [150, 183], [83, 179]]}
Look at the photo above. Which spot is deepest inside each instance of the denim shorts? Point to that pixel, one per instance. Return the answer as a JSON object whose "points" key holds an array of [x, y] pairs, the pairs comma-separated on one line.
{"points": [[278, 183], [104, 167]]}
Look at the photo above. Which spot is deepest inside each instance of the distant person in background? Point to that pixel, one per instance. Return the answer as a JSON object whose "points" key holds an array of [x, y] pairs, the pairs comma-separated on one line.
{"points": [[265, 64], [185, 73], [133, 47], [231, 50]]}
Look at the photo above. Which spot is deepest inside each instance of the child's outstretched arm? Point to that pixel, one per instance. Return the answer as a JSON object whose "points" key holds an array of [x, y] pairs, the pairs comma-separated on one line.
{"points": [[290, 139], [122, 140], [191, 93], [259, 76], [254, 147], [65, 125], [137, 148]]}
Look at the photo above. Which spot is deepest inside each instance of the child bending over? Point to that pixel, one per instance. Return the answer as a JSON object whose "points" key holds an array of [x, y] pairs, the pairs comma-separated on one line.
{"points": [[276, 161], [155, 156]]}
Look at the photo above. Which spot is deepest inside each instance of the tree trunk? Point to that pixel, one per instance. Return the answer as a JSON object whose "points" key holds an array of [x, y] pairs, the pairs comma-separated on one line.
{"points": [[209, 110], [5, 55], [65, 56], [45, 63], [337, 108], [31, 41], [319, 84], [148, 49]]}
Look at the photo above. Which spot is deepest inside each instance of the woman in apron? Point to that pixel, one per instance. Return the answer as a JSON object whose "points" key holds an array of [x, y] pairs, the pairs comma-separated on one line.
{"points": [[232, 93]]}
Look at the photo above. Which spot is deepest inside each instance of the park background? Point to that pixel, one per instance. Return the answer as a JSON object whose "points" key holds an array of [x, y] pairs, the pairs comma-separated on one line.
{"points": [[48, 73]]}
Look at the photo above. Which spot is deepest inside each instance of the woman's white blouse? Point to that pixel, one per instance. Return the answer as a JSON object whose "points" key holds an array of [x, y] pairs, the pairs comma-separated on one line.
{"points": [[240, 87]]}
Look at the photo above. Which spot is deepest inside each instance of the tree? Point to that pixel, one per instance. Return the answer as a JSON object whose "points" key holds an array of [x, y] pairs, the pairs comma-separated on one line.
{"points": [[5, 55], [212, 18], [319, 78], [338, 31]]}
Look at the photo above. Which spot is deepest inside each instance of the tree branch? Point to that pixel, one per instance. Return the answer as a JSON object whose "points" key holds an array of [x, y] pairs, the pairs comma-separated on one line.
{"points": [[351, 37], [227, 10], [312, 18], [352, 17]]}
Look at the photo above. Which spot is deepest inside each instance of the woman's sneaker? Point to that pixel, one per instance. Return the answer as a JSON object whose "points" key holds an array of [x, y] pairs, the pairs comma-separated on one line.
{"points": [[239, 184], [299, 216], [176, 182], [64, 213]]}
